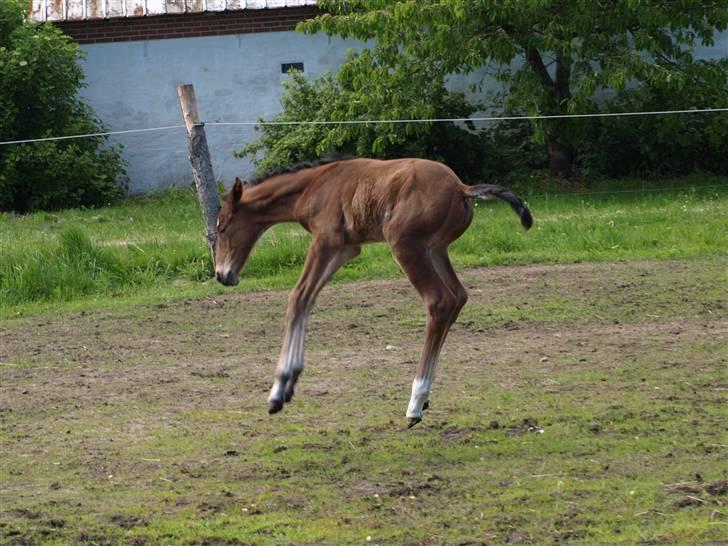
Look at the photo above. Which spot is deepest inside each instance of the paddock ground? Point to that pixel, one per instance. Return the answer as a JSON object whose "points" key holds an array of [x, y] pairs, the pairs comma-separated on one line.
{"points": [[579, 403]]}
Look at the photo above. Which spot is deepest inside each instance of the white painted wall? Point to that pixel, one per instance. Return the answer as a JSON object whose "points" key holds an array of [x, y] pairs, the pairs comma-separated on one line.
{"points": [[133, 85], [719, 49]]}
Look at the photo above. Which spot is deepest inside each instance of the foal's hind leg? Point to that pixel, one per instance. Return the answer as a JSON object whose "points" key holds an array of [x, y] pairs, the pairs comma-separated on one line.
{"points": [[441, 261], [442, 306], [322, 262]]}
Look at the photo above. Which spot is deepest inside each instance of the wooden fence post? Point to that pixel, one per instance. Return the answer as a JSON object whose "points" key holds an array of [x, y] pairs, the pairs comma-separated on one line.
{"points": [[200, 162]]}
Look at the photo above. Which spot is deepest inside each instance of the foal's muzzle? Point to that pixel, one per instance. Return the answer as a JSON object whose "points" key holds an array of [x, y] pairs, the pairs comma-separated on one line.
{"points": [[228, 278]]}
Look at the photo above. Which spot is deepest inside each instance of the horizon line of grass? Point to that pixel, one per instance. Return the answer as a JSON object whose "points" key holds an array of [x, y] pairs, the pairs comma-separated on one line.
{"points": [[152, 249]]}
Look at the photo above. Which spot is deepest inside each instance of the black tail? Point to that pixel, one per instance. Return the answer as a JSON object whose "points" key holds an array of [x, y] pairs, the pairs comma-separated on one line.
{"points": [[489, 191]]}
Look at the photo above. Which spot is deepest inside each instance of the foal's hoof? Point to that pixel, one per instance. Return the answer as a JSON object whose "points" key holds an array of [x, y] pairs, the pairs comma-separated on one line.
{"points": [[274, 406], [412, 421]]}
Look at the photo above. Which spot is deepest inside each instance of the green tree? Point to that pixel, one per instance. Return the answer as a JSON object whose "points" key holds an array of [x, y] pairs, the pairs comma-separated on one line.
{"points": [[551, 56], [39, 81]]}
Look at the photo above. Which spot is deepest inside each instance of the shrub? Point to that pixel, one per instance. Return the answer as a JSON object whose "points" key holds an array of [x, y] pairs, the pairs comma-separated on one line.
{"points": [[39, 81], [663, 144]]}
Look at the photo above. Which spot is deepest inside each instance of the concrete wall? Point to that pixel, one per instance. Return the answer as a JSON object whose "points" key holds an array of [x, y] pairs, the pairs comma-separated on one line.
{"points": [[133, 85]]}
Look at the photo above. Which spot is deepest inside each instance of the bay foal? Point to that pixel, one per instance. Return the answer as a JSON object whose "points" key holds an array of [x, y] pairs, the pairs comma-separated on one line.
{"points": [[417, 206]]}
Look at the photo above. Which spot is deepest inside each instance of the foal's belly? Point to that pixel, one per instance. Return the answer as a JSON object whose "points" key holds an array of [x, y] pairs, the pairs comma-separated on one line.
{"points": [[370, 234]]}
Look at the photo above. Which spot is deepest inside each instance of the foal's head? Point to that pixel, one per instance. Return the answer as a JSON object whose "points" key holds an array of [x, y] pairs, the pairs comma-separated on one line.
{"points": [[236, 235]]}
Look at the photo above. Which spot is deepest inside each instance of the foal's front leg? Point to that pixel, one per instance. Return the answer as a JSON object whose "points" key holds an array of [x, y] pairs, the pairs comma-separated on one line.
{"points": [[322, 261]]}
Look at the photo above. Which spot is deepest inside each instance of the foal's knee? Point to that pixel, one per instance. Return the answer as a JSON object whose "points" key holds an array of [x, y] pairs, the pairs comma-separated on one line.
{"points": [[461, 298]]}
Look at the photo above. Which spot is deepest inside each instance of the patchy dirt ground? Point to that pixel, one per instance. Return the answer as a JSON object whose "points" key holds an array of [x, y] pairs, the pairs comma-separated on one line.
{"points": [[579, 402]]}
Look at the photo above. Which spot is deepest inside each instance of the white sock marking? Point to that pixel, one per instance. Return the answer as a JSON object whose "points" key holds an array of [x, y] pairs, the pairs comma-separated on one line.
{"points": [[291, 357], [420, 395]]}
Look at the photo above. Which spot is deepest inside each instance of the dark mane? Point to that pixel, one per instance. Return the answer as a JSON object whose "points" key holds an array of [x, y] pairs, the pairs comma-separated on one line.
{"points": [[259, 179]]}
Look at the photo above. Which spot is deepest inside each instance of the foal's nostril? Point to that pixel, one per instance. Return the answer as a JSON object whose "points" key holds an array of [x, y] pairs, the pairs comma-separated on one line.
{"points": [[231, 279], [227, 278]]}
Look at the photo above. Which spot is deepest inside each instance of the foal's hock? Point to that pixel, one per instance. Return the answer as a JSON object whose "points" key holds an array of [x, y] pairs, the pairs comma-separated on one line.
{"points": [[418, 206]]}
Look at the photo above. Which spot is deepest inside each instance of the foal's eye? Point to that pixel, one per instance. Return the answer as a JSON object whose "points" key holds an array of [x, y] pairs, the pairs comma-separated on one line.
{"points": [[223, 228]]}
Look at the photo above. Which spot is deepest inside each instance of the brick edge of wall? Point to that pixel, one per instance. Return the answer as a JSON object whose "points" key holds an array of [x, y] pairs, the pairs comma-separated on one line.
{"points": [[161, 27]]}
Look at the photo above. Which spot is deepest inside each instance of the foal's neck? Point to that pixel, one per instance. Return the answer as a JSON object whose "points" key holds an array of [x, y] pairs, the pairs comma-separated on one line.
{"points": [[275, 200]]}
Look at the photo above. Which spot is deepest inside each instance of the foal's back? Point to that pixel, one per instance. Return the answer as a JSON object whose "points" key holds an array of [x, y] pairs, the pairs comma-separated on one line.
{"points": [[371, 200]]}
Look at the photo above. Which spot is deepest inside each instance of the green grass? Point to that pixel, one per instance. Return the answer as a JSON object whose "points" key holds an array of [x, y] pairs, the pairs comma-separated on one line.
{"points": [[152, 249]]}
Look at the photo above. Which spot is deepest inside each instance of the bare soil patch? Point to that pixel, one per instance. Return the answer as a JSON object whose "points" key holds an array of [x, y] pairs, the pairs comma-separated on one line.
{"points": [[167, 402]]}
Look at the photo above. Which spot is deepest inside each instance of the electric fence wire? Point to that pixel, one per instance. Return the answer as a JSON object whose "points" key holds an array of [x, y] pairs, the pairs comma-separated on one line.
{"points": [[373, 122]]}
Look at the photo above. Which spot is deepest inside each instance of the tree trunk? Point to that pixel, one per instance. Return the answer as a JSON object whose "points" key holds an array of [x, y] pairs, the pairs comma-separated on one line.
{"points": [[561, 152], [558, 89], [561, 158]]}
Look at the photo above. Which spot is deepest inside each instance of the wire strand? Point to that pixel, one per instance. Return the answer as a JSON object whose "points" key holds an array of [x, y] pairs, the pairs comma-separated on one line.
{"points": [[90, 135], [377, 121]]}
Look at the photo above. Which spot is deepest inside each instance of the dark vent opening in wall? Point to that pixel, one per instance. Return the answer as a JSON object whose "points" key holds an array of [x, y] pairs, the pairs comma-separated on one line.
{"points": [[288, 67]]}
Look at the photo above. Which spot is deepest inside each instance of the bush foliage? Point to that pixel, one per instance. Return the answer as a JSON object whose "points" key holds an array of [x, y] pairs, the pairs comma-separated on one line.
{"points": [[39, 82], [610, 147], [659, 145]]}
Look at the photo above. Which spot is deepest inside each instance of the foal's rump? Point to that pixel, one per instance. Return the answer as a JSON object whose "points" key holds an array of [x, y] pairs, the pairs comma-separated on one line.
{"points": [[431, 193], [435, 184]]}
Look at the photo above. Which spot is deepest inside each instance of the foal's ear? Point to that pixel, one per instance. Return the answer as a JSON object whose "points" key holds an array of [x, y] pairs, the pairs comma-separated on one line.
{"points": [[236, 192]]}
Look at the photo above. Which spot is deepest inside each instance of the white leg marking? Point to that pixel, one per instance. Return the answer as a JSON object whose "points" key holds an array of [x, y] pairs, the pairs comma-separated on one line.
{"points": [[295, 354], [420, 395], [291, 357]]}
